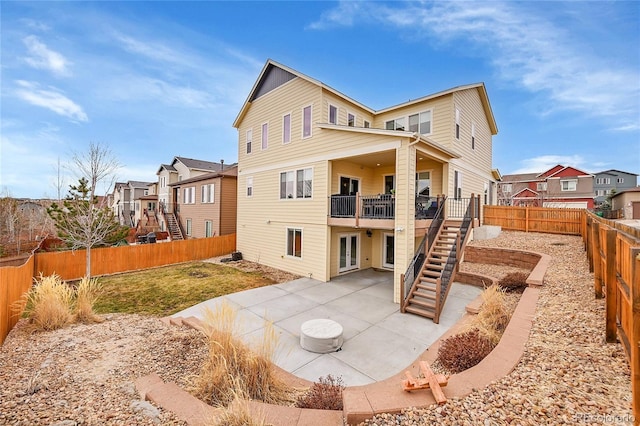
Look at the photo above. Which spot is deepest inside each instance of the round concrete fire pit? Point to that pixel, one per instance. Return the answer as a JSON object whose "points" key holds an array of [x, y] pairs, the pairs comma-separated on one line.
{"points": [[321, 336]]}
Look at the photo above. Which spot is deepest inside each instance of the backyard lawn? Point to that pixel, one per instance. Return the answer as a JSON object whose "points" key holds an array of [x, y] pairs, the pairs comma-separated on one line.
{"points": [[167, 290]]}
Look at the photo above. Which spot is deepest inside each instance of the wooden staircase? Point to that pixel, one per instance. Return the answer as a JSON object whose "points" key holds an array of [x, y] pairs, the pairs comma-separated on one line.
{"points": [[427, 295], [173, 227]]}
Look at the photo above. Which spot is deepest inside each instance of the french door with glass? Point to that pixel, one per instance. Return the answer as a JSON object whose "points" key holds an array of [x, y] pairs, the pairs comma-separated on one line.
{"points": [[348, 259]]}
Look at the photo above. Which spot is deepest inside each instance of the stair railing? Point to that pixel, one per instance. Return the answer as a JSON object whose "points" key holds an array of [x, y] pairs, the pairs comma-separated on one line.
{"points": [[410, 277]]}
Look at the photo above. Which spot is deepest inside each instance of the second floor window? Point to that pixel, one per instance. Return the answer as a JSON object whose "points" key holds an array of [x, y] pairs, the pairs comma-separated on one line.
{"points": [[620, 180], [250, 186], [286, 128], [506, 188], [189, 195], [208, 193], [541, 186], [249, 139], [397, 124], [420, 123], [296, 184], [351, 120], [457, 123], [265, 135], [603, 181], [568, 185], [473, 135]]}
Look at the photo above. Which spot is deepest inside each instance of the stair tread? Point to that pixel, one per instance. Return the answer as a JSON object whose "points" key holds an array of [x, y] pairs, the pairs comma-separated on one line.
{"points": [[420, 312], [423, 304], [430, 295]]}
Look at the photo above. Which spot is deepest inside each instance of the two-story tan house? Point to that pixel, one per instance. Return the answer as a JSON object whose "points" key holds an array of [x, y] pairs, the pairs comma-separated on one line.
{"points": [[327, 185], [206, 204]]}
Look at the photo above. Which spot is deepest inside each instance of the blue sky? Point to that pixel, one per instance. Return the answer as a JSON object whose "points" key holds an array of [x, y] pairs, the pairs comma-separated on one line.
{"points": [[154, 80]]}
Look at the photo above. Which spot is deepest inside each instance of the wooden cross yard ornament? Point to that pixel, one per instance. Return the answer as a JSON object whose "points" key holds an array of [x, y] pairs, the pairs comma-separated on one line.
{"points": [[432, 381]]}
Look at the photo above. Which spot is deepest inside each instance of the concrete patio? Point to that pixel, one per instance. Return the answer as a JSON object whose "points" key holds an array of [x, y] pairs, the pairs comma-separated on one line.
{"points": [[379, 341]]}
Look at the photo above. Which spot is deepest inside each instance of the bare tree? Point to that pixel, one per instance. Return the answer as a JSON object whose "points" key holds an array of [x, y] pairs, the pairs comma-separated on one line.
{"points": [[82, 221], [59, 182]]}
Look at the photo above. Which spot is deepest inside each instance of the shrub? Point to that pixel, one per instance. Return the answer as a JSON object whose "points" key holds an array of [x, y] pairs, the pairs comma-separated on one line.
{"points": [[326, 394], [463, 351], [514, 282], [48, 304], [87, 293], [238, 414], [494, 314], [232, 368]]}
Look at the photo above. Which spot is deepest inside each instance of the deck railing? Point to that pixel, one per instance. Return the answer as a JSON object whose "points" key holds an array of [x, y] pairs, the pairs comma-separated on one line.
{"points": [[380, 206]]}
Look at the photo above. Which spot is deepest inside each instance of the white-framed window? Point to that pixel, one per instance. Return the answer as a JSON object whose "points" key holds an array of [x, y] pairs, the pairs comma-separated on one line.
{"points": [[304, 183], [189, 195], [296, 184], [603, 181], [457, 123], [507, 188], [207, 193], [333, 114], [179, 178], [351, 120], [457, 184], [249, 186], [366, 124], [146, 192], [163, 182], [600, 192], [541, 186], [265, 135], [473, 136], [396, 124], [620, 180], [568, 185], [249, 139], [420, 122], [294, 242], [307, 117], [208, 228], [189, 227], [286, 128]]}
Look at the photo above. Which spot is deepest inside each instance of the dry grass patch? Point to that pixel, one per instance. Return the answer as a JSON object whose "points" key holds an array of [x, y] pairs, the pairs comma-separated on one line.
{"points": [[238, 414], [48, 304], [232, 368], [170, 289], [87, 293], [494, 315]]}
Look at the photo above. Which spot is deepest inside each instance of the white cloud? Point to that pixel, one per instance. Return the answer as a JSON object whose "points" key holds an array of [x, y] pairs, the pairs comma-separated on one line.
{"points": [[523, 45], [44, 58], [50, 99], [545, 162]]}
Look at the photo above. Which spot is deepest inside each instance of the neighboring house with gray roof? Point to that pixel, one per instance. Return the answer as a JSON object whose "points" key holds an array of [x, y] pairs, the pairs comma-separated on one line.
{"points": [[126, 204]]}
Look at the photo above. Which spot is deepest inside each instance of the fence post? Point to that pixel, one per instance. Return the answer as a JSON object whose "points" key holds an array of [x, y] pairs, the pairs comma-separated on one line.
{"points": [[635, 335], [611, 286], [597, 261], [526, 219]]}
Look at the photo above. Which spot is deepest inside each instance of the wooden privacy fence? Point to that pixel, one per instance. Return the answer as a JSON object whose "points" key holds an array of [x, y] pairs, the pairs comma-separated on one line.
{"points": [[70, 265], [535, 219], [614, 259]]}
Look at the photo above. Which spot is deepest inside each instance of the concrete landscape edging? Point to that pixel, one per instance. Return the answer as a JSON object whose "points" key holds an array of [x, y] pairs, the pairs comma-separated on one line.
{"points": [[386, 396]]}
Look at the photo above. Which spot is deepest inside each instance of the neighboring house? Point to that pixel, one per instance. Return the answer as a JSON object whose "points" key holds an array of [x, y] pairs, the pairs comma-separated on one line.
{"points": [[127, 204], [181, 168], [615, 181], [328, 185], [207, 203], [628, 201], [560, 186]]}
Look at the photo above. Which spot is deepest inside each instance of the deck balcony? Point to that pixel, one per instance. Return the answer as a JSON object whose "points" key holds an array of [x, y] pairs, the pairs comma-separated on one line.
{"points": [[376, 211]]}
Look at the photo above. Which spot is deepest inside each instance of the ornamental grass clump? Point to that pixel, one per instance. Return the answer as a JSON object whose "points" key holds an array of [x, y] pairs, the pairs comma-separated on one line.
{"points": [[232, 368], [238, 413], [48, 304], [494, 314], [87, 293]]}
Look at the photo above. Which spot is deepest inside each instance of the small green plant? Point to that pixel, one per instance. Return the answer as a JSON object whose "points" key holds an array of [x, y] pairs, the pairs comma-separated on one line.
{"points": [[87, 293], [514, 282], [463, 351], [48, 304], [326, 394]]}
